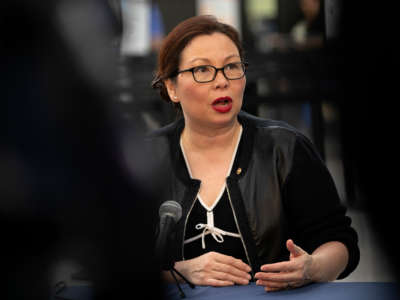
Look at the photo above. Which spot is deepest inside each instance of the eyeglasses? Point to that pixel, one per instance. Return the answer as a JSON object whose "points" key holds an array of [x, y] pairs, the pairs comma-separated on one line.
{"points": [[207, 73]]}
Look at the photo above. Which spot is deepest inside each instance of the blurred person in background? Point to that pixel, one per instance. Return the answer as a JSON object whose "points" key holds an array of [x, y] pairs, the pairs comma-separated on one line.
{"points": [[65, 190], [308, 33], [257, 201]]}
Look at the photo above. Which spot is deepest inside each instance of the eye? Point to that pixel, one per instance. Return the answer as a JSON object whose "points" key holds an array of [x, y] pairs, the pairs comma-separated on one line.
{"points": [[202, 69], [233, 66]]}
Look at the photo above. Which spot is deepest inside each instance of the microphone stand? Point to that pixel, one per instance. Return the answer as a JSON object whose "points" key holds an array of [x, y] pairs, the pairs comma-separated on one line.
{"points": [[170, 212], [172, 270], [169, 263], [183, 277]]}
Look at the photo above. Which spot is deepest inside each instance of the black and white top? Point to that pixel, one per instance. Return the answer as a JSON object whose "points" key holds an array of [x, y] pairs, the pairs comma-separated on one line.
{"points": [[279, 188], [213, 228]]}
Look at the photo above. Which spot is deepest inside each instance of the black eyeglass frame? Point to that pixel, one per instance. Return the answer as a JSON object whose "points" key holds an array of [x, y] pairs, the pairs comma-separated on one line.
{"points": [[244, 66]]}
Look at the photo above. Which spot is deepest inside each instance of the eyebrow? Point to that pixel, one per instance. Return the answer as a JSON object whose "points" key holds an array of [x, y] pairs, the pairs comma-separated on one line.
{"points": [[207, 60]]}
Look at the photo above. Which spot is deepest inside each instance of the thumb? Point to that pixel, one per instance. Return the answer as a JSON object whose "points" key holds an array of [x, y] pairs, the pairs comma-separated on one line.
{"points": [[294, 249]]}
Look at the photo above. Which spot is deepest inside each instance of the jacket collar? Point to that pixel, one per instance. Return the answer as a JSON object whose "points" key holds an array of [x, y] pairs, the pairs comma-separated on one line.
{"points": [[242, 158]]}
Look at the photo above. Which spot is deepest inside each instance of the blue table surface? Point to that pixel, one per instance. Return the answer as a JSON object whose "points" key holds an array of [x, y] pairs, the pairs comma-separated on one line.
{"points": [[320, 291]]}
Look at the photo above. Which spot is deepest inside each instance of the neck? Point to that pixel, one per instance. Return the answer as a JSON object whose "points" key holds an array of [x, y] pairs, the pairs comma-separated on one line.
{"points": [[208, 139]]}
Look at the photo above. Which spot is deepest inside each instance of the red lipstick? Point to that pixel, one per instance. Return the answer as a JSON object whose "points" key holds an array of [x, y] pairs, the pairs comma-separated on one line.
{"points": [[222, 104]]}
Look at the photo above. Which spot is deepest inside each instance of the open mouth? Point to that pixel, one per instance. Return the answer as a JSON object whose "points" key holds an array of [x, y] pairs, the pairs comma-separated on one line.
{"points": [[222, 101], [222, 104]]}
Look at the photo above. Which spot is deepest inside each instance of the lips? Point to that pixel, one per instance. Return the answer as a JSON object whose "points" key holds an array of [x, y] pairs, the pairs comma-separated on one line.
{"points": [[222, 104]]}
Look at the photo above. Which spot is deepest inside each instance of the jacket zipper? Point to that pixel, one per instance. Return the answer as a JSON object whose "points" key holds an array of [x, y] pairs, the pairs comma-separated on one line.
{"points": [[184, 227], [237, 225]]}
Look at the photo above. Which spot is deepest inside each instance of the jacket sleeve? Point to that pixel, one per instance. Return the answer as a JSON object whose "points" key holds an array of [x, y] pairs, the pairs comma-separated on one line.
{"points": [[314, 211]]}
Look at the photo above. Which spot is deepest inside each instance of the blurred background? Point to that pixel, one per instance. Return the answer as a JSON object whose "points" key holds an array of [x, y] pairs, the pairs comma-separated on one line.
{"points": [[76, 83]]}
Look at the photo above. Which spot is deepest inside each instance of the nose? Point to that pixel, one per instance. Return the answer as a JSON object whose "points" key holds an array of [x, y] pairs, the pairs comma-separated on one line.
{"points": [[220, 80]]}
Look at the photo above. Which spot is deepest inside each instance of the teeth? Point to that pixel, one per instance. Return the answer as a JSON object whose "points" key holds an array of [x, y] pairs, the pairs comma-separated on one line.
{"points": [[222, 101]]}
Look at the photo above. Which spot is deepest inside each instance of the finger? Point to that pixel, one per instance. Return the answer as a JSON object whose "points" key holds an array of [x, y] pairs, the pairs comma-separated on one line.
{"points": [[272, 284], [217, 282], [271, 289], [229, 260], [284, 266], [280, 277], [232, 270], [294, 249], [229, 277]]}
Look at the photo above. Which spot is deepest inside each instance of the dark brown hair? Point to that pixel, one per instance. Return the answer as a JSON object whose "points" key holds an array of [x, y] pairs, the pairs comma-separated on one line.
{"points": [[176, 41]]}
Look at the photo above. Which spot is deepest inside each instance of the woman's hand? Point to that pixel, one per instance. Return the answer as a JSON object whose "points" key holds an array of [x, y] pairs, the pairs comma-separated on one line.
{"points": [[215, 269], [288, 274]]}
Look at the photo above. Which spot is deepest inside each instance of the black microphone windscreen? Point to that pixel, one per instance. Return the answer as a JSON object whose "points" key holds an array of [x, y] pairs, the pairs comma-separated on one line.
{"points": [[172, 209]]}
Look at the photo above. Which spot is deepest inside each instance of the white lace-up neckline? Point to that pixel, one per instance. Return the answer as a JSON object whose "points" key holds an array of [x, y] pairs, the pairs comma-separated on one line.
{"points": [[209, 228]]}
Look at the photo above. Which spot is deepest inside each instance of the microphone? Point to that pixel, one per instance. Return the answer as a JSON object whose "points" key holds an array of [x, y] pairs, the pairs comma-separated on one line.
{"points": [[170, 213]]}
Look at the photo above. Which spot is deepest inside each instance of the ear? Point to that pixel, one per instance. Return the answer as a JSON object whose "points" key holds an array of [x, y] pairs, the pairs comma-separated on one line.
{"points": [[171, 89]]}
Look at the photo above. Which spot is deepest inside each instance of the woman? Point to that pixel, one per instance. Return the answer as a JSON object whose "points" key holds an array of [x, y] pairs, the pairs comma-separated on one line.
{"points": [[308, 32], [257, 201]]}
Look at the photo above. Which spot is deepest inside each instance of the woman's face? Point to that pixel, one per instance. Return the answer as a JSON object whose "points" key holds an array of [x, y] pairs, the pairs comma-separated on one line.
{"points": [[212, 104], [310, 8]]}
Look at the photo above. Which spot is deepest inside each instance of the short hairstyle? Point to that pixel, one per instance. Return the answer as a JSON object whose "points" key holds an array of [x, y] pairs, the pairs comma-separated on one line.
{"points": [[174, 43]]}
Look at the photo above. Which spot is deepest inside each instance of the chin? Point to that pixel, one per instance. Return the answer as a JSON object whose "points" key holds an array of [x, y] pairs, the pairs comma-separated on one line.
{"points": [[227, 118]]}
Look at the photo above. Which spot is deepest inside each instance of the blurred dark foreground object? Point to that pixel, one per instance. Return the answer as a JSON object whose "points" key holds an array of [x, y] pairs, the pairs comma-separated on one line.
{"points": [[369, 118], [65, 191]]}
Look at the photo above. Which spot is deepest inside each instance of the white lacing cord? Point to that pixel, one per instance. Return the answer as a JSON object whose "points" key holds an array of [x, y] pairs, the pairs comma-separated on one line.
{"points": [[209, 228]]}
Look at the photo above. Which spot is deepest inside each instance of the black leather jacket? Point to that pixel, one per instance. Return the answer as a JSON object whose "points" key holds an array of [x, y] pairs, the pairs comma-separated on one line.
{"points": [[279, 188]]}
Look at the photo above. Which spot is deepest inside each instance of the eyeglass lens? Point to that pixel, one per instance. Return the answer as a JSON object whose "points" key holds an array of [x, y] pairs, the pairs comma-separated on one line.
{"points": [[208, 73]]}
